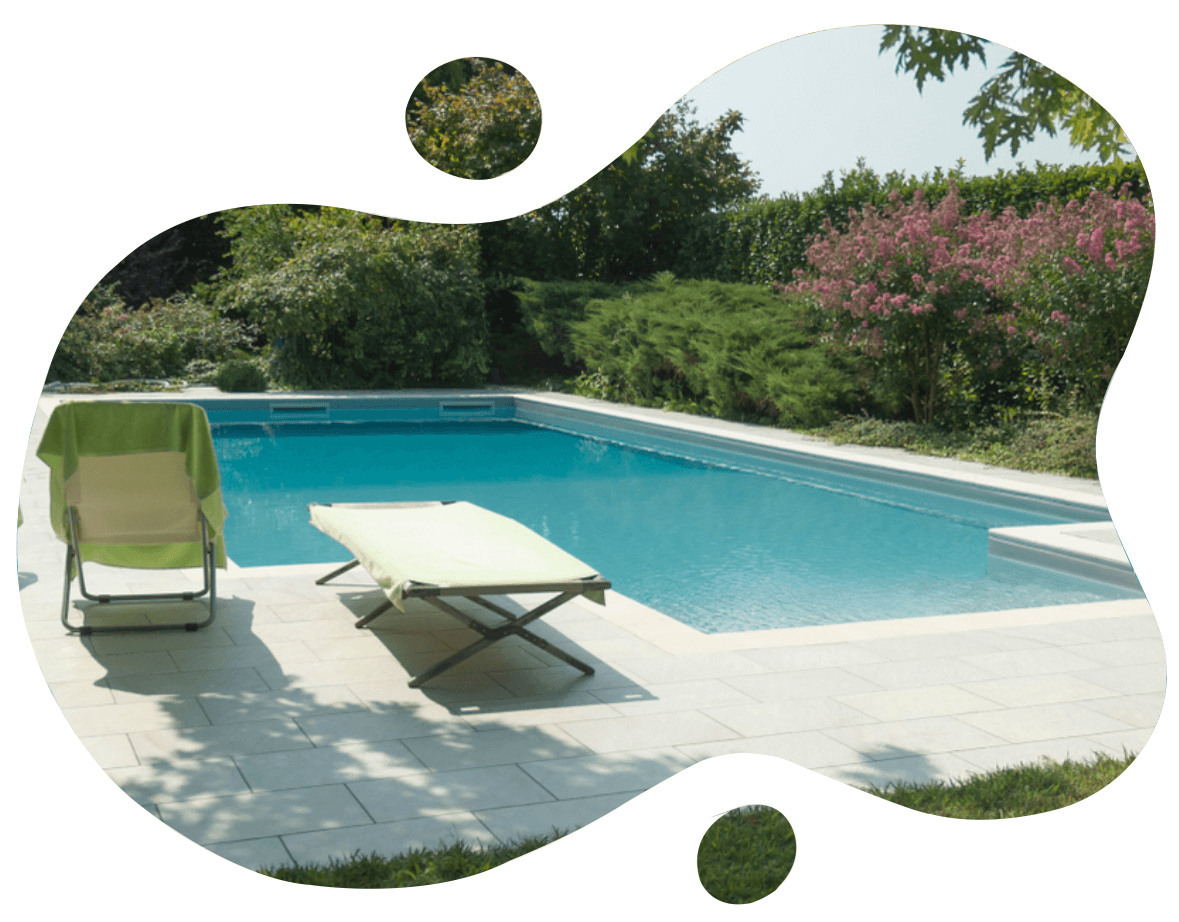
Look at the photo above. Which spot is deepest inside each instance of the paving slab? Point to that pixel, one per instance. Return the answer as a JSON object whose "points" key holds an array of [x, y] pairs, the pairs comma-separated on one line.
{"points": [[267, 852], [1023, 691], [235, 707], [111, 751], [635, 700], [1044, 721], [533, 711], [128, 688], [611, 773], [302, 768], [793, 716], [81, 693], [1140, 711], [808, 748], [244, 738], [471, 748], [927, 735], [386, 839], [439, 793], [912, 703], [916, 769], [510, 824], [616, 734], [1072, 748], [1128, 680], [105, 719], [258, 815], [164, 782], [394, 722]]}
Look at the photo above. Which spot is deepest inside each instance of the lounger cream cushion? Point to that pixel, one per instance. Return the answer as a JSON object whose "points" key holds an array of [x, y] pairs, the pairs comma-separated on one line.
{"points": [[454, 545]]}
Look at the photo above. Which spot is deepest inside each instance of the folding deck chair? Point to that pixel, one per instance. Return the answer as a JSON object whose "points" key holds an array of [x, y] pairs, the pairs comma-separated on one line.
{"points": [[135, 484], [436, 550]]}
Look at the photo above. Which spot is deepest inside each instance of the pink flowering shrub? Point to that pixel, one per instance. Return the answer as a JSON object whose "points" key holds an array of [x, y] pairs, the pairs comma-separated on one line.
{"points": [[962, 307], [1077, 307]]}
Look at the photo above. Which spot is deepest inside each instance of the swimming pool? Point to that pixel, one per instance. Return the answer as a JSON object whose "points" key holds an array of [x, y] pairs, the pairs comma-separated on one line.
{"points": [[722, 537]]}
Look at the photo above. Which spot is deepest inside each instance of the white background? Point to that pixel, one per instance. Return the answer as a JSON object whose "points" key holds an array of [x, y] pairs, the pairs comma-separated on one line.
{"points": [[123, 119]]}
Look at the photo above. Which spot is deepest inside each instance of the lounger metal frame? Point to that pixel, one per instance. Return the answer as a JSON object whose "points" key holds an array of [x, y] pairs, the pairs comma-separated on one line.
{"points": [[515, 624], [208, 563]]}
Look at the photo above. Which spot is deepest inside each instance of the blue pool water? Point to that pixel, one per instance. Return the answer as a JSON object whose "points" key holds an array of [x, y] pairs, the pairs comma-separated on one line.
{"points": [[718, 548]]}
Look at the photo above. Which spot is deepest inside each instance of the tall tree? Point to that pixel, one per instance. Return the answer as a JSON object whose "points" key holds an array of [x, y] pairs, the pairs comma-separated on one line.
{"points": [[638, 215], [1021, 99], [169, 263]]}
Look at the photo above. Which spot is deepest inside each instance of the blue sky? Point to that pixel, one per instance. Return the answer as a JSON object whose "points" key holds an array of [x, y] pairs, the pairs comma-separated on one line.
{"points": [[818, 102]]}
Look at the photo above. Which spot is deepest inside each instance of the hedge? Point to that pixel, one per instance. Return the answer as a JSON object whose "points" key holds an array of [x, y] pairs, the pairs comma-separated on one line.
{"points": [[765, 241]]}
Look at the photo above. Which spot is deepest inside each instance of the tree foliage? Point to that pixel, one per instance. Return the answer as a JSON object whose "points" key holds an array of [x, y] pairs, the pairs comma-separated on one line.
{"points": [[1024, 96], [349, 300], [107, 341], [477, 121], [169, 263], [636, 217]]}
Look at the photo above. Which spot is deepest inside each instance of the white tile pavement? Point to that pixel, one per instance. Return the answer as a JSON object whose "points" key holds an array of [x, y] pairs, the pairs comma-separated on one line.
{"points": [[282, 734]]}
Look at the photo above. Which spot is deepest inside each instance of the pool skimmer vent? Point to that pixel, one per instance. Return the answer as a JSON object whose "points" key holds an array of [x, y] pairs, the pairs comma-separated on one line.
{"points": [[298, 410]]}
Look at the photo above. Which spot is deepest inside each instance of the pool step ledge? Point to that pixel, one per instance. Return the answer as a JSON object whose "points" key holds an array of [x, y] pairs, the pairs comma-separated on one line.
{"points": [[1090, 550]]}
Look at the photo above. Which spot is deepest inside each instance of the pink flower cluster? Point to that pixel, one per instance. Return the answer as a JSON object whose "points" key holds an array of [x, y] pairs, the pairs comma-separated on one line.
{"points": [[907, 260]]}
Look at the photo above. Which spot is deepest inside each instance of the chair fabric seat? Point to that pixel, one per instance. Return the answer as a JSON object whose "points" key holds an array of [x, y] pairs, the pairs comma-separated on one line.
{"points": [[139, 475], [135, 484]]}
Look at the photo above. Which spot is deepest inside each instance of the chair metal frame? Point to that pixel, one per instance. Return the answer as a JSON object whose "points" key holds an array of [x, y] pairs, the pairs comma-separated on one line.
{"points": [[208, 564], [515, 624]]}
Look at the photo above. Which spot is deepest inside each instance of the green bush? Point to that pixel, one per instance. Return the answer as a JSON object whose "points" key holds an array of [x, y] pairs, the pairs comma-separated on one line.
{"points": [[241, 375], [200, 371], [351, 301], [157, 340], [548, 311], [733, 351]]}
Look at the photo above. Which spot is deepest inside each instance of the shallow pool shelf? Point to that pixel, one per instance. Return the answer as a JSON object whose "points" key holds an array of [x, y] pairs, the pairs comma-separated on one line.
{"points": [[1091, 551]]}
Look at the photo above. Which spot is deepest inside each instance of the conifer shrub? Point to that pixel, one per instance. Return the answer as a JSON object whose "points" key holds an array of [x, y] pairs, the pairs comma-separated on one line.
{"points": [[549, 310], [733, 351]]}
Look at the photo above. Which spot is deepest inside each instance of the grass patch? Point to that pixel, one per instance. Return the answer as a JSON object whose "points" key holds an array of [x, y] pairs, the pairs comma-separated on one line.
{"points": [[748, 851], [1020, 791], [746, 854], [1048, 444], [415, 868]]}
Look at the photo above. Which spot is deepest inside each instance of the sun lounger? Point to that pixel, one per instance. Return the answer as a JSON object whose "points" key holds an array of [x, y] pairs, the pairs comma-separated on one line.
{"points": [[433, 551], [135, 484]]}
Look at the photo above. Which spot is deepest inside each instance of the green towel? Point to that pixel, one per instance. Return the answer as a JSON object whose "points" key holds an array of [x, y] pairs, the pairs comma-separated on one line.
{"points": [[104, 429]]}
